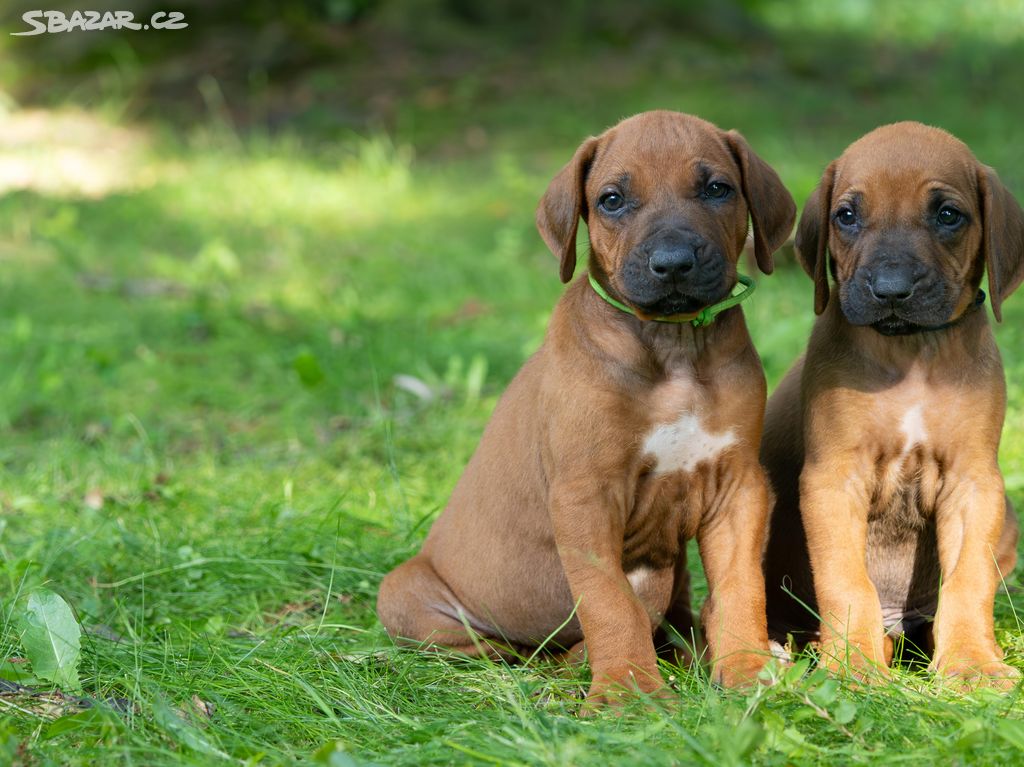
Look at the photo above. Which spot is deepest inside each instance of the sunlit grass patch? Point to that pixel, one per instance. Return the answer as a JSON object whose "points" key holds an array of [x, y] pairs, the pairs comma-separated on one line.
{"points": [[69, 152]]}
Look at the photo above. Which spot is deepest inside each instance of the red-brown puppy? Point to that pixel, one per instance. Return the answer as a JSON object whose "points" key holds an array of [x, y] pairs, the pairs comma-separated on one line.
{"points": [[621, 437], [881, 442]]}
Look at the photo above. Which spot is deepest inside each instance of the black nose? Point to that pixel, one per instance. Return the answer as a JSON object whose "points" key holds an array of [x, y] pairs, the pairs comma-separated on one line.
{"points": [[670, 262], [891, 283]]}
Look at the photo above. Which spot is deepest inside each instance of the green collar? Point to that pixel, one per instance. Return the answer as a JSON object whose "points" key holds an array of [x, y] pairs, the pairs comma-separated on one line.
{"points": [[743, 290]]}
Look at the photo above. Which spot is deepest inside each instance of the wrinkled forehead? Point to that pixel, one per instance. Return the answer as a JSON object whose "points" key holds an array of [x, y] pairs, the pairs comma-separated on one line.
{"points": [[907, 164], [660, 150]]}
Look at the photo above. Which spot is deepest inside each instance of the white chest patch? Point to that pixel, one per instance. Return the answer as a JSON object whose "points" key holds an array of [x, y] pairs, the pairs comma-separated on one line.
{"points": [[682, 444], [912, 426]]}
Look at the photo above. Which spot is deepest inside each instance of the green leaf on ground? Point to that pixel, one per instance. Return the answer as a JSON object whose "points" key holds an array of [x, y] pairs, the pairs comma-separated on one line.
{"points": [[51, 638]]}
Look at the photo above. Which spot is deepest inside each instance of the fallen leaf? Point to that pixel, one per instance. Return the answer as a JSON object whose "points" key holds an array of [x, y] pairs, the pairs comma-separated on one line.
{"points": [[203, 707], [52, 638]]}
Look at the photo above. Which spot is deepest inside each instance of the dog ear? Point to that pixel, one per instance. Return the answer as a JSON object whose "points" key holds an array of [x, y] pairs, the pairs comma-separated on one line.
{"points": [[772, 210], [559, 211], [812, 237], [1002, 226]]}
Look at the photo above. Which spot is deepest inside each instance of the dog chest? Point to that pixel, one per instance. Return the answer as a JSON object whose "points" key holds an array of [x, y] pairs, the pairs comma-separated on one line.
{"points": [[674, 487], [902, 553], [683, 444], [912, 428], [907, 470]]}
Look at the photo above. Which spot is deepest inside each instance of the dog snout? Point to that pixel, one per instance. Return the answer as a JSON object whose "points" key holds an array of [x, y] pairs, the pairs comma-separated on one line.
{"points": [[892, 283], [674, 255], [669, 263]]}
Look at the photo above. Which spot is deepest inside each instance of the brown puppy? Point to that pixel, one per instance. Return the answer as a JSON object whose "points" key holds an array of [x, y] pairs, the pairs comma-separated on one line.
{"points": [[621, 437], [881, 443]]}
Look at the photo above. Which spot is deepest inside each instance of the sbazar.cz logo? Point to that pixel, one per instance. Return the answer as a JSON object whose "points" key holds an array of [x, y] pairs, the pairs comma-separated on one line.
{"points": [[42, 22]]}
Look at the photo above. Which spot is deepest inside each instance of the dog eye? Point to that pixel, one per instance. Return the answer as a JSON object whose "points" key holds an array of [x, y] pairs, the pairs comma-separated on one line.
{"points": [[716, 190], [611, 201], [846, 216], [949, 216]]}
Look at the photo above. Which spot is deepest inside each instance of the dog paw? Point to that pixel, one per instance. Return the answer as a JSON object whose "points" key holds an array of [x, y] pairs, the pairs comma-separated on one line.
{"points": [[574, 656], [739, 670], [616, 689], [966, 674], [854, 662]]}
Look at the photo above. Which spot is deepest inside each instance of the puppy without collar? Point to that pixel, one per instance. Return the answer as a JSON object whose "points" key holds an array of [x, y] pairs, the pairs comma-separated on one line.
{"points": [[881, 443]]}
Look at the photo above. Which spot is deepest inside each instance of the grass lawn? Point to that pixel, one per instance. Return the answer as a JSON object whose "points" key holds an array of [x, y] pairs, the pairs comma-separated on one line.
{"points": [[210, 448]]}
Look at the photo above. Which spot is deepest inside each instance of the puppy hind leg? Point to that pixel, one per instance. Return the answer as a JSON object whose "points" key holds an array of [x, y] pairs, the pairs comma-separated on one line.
{"points": [[679, 638], [418, 609], [888, 648], [1006, 550], [574, 656]]}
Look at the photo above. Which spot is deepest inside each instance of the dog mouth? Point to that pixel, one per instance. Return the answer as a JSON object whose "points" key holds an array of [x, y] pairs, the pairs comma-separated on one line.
{"points": [[672, 304], [932, 303], [898, 320], [894, 325], [675, 303]]}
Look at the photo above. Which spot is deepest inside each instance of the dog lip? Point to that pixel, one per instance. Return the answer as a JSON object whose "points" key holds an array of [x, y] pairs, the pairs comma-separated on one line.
{"points": [[674, 302], [893, 325]]}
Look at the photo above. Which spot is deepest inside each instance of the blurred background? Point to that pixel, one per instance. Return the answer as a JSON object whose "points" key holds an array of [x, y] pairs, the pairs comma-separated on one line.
{"points": [[262, 280]]}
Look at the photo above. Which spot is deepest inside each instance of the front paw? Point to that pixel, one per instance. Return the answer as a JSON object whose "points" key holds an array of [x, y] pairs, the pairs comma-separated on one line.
{"points": [[739, 670], [967, 672], [617, 687], [858, 661]]}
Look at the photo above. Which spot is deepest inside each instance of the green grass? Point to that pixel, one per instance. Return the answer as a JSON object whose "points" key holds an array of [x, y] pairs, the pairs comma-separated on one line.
{"points": [[204, 449]]}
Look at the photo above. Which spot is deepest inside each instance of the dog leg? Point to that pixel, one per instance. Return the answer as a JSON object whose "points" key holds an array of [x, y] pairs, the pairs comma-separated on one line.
{"points": [[417, 608], [1006, 549], [679, 638], [616, 625], [731, 540], [835, 520], [969, 526]]}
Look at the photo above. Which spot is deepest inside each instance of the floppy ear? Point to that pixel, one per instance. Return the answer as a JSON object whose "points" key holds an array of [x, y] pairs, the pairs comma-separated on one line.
{"points": [[772, 210], [812, 237], [559, 211], [1002, 242]]}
